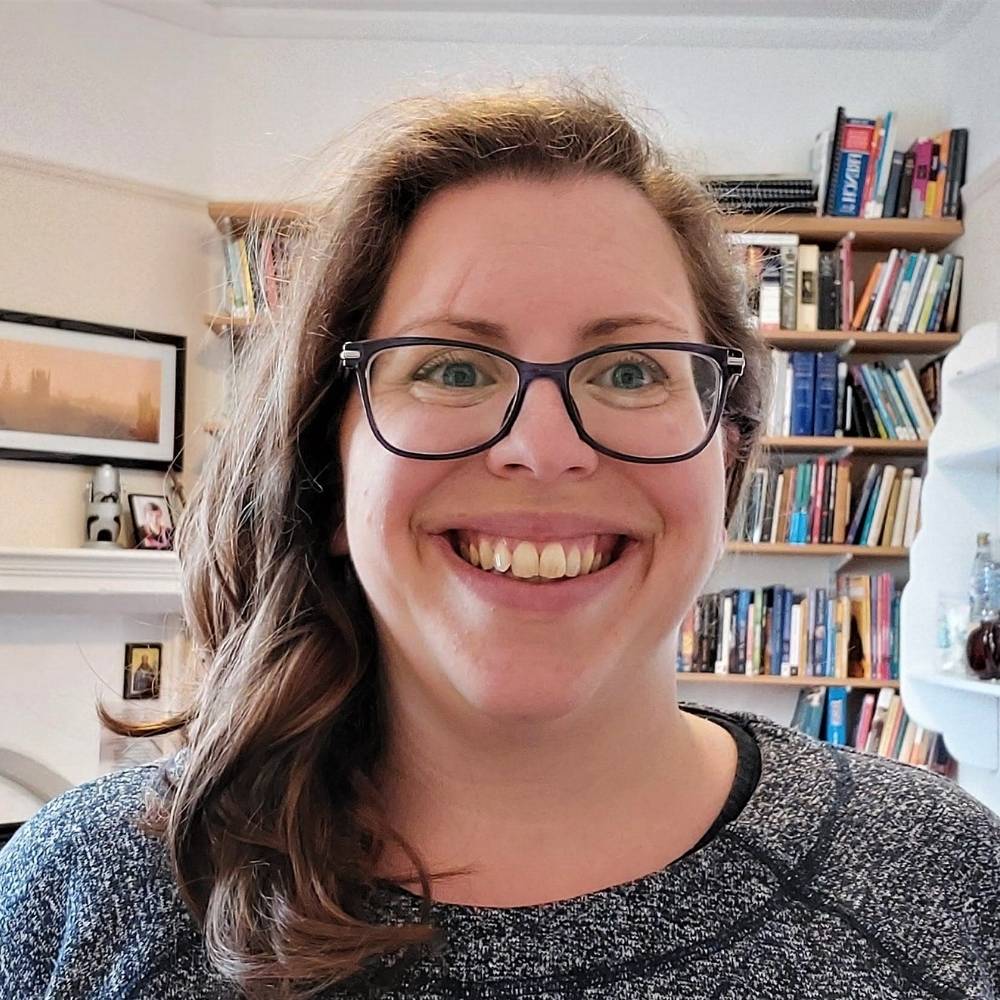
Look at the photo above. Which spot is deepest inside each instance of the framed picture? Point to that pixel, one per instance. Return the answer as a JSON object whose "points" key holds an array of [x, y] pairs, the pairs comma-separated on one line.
{"points": [[154, 527], [142, 670], [83, 393]]}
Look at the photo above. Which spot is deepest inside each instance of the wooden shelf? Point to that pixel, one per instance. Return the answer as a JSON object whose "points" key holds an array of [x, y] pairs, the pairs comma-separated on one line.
{"points": [[869, 234], [854, 341], [858, 342], [224, 324], [858, 682], [241, 212], [875, 446], [817, 549]]}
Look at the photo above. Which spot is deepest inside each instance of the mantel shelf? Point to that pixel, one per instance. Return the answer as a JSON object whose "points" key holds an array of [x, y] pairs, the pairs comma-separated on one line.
{"points": [[105, 581]]}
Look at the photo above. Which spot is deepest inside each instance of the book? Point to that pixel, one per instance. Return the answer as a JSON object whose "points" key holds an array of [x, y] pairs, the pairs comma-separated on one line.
{"points": [[850, 162], [807, 283], [808, 715], [836, 716], [825, 393], [803, 388]]}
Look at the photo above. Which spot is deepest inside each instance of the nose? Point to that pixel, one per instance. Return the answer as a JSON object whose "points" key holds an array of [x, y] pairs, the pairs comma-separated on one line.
{"points": [[543, 443]]}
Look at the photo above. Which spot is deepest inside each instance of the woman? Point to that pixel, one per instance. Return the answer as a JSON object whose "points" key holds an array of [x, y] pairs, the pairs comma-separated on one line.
{"points": [[435, 574]]}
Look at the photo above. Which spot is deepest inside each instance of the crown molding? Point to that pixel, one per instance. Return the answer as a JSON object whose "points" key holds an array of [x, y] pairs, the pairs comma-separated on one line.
{"points": [[920, 25]]}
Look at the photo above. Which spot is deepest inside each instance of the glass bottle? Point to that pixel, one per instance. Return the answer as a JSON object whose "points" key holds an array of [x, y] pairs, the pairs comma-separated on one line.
{"points": [[979, 581], [982, 647]]}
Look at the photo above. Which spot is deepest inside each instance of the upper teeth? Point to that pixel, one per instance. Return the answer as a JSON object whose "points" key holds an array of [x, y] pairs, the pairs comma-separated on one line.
{"points": [[524, 559]]}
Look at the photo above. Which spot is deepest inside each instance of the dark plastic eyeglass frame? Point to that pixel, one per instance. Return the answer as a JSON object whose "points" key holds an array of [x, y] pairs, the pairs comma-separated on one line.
{"points": [[356, 356]]}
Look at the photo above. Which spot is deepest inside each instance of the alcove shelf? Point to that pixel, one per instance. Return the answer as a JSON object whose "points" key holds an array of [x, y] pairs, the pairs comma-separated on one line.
{"points": [[961, 497], [56, 581]]}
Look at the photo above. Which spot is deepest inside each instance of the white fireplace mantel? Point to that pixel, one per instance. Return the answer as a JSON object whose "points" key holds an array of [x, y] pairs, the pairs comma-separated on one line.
{"points": [[102, 581]]}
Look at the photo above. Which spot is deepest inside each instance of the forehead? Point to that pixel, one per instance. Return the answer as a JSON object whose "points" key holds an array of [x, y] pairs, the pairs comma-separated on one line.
{"points": [[535, 253]]}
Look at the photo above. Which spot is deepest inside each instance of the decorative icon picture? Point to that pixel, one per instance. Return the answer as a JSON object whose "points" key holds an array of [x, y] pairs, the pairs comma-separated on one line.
{"points": [[142, 670]]}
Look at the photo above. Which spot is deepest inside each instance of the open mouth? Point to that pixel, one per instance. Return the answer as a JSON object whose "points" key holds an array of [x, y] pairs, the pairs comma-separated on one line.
{"points": [[537, 561]]}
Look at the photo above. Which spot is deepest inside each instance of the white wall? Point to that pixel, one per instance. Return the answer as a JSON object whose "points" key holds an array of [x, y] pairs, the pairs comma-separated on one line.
{"points": [[109, 90]]}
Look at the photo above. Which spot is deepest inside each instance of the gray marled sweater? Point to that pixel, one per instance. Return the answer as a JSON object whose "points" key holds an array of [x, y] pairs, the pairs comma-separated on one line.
{"points": [[844, 876]]}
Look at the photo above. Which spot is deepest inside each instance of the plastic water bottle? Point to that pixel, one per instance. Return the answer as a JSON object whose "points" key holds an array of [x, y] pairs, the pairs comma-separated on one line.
{"points": [[982, 585]]}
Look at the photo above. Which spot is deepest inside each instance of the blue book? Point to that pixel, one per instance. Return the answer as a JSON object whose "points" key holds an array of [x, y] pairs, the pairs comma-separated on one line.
{"points": [[776, 629], [803, 391], [742, 613], [800, 512], [875, 397], [825, 412], [787, 600], [851, 165], [808, 714], [836, 716]]}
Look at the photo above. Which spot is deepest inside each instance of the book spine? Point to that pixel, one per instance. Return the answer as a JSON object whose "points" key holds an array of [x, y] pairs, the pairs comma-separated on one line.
{"points": [[906, 185], [853, 164], [825, 412], [956, 173], [803, 389], [892, 189], [789, 287]]}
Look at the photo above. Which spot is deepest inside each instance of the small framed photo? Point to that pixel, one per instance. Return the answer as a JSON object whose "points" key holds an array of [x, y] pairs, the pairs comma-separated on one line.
{"points": [[142, 670], [154, 527]]}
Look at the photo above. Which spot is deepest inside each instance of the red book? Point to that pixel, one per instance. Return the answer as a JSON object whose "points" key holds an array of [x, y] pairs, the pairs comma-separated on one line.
{"points": [[864, 721]]}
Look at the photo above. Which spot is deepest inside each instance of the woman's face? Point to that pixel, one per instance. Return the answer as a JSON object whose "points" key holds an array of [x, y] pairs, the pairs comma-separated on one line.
{"points": [[541, 260]]}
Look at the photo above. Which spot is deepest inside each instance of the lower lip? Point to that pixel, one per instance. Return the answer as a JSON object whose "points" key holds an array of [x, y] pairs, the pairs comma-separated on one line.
{"points": [[553, 597]]}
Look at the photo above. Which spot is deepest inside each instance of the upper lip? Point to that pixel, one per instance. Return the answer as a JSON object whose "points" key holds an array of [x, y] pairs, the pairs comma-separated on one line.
{"points": [[537, 526]]}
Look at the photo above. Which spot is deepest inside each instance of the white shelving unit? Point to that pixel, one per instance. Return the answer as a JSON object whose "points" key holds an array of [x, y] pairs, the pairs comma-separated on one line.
{"points": [[961, 497], [60, 581]]}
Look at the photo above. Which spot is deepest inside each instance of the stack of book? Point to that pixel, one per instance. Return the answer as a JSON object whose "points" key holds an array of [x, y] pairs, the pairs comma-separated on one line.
{"points": [[815, 393], [859, 173], [795, 287], [848, 630], [753, 194], [813, 502], [877, 725], [912, 293], [256, 268]]}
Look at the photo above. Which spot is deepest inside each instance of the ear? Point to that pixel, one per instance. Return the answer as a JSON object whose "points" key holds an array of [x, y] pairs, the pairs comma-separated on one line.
{"points": [[338, 541]]}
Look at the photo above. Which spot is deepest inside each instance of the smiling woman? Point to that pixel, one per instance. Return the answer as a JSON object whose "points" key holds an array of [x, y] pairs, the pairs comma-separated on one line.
{"points": [[435, 572]]}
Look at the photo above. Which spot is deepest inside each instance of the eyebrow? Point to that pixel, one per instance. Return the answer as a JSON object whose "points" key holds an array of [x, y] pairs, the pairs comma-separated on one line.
{"points": [[588, 331]]}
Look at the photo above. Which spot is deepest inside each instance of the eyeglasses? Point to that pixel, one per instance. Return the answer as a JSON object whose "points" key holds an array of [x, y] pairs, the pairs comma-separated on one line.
{"points": [[434, 399]]}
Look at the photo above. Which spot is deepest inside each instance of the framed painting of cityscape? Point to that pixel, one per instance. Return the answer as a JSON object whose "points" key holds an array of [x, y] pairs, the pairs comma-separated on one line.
{"points": [[85, 393]]}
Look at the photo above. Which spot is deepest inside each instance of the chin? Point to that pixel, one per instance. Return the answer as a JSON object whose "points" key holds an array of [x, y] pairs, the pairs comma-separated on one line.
{"points": [[528, 688]]}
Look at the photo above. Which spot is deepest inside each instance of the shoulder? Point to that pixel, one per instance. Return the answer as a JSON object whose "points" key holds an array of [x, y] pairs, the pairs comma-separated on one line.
{"points": [[81, 882], [880, 828]]}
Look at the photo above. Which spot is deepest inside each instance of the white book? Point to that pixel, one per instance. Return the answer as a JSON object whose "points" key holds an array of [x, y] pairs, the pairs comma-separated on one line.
{"points": [[883, 291], [765, 239], [878, 517], [776, 513], [899, 525], [786, 416], [795, 630], [915, 396], [912, 512], [911, 326], [779, 368], [722, 655]]}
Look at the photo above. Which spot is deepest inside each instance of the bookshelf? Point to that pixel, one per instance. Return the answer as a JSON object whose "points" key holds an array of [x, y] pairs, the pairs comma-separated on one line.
{"points": [[870, 237]]}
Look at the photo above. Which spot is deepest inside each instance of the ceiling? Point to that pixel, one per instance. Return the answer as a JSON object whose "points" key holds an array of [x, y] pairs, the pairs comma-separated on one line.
{"points": [[863, 24]]}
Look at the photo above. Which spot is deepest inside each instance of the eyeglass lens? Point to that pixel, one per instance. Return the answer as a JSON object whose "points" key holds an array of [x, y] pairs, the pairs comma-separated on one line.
{"points": [[648, 402]]}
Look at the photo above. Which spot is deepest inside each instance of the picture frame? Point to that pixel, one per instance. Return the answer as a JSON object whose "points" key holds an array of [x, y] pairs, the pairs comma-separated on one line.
{"points": [[152, 521], [143, 663], [86, 393]]}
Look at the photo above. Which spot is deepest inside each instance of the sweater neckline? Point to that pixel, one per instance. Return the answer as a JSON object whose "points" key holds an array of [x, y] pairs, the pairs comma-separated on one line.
{"points": [[707, 892]]}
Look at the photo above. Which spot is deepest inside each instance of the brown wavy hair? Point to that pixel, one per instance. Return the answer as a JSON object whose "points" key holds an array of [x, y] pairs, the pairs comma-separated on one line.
{"points": [[273, 825]]}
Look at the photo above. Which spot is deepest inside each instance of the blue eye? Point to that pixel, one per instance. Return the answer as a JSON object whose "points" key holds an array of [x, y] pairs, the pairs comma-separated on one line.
{"points": [[627, 376]]}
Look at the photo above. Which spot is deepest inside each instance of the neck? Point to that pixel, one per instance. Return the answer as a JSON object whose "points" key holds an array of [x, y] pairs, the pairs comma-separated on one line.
{"points": [[552, 809]]}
